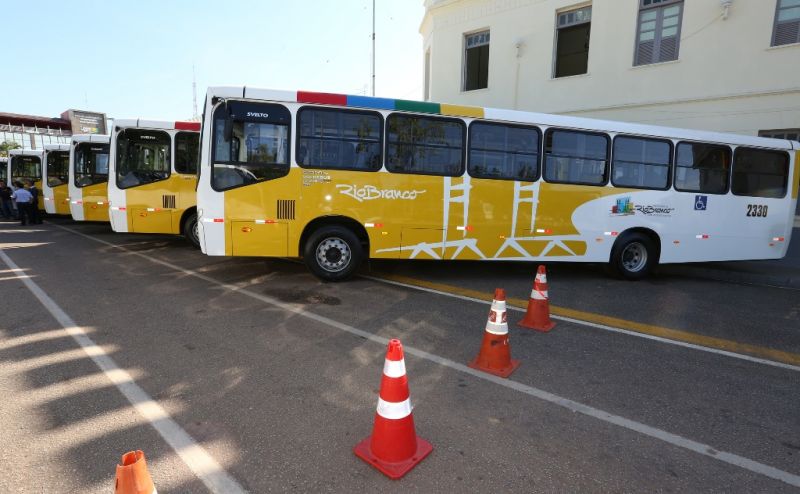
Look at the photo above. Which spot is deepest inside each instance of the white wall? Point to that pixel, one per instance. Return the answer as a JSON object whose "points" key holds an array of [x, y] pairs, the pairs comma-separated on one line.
{"points": [[727, 77]]}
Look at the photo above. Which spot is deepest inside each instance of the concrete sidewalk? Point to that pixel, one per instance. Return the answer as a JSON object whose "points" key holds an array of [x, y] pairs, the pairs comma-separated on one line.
{"points": [[778, 272]]}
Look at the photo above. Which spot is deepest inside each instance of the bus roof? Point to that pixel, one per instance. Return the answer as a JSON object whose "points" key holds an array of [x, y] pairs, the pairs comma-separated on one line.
{"points": [[496, 114], [56, 147], [25, 152], [142, 123], [102, 138]]}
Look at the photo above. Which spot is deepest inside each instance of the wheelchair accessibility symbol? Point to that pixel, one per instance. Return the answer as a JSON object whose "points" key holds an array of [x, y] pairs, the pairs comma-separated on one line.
{"points": [[700, 203]]}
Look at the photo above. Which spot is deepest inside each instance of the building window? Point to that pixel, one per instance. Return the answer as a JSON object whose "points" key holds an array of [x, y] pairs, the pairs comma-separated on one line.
{"points": [[787, 23], [476, 61], [659, 31], [572, 42], [790, 134]]}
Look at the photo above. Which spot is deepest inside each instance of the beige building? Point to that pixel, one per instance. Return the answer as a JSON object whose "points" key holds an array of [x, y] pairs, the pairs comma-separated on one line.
{"points": [[724, 65]]}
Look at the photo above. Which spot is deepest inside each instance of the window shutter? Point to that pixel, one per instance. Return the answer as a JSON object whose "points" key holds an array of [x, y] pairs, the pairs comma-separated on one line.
{"points": [[787, 33], [668, 49], [645, 53]]}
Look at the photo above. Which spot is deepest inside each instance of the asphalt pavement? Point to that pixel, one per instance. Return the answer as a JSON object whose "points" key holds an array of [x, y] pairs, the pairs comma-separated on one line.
{"points": [[274, 375]]}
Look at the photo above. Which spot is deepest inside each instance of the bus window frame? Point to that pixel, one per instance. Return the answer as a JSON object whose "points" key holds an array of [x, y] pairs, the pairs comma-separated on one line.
{"points": [[46, 174], [222, 106], [607, 168], [675, 168], [778, 151], [670, 165], [171, 158], [539, 148], [434, 117], [24, 177], [75, 151], [381, 136], [175, 151]]}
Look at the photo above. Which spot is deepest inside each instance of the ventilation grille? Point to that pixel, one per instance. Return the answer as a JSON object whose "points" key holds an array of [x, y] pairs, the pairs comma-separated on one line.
{"points": [[168, 202], [285, 209]]}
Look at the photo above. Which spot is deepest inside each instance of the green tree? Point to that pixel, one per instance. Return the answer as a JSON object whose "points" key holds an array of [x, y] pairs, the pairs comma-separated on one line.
{"points": [[5, 146]]}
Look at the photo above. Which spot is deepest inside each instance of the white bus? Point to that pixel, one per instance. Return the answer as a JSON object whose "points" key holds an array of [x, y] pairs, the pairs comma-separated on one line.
{"points": [[55, 186], [88, 177], [336, 179], [152, 177]]}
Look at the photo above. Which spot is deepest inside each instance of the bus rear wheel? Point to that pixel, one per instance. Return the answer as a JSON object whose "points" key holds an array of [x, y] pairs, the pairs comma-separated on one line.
{"points": [[332, 253], [191, 230], [634, 256]]}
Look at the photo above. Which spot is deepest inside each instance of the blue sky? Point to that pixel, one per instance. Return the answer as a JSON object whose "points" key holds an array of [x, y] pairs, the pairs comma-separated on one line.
{"points": [[134, 59]]}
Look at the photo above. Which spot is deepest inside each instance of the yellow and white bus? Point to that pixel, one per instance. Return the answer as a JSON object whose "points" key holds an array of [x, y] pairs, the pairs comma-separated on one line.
{"points": [[153, 176], [56, 178], [26, 164], [88, 177], [336, 179]]}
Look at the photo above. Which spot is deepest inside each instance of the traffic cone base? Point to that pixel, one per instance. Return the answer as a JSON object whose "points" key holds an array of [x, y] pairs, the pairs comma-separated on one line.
{"points": [[500, 372], [543, 328], [392, 470]]}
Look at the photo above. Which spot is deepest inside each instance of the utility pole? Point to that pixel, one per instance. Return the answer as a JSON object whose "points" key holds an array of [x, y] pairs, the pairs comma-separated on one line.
{"points": [[373, 48]]}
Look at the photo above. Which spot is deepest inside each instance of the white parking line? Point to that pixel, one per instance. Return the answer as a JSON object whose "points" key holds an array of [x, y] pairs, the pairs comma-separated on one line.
{"points": [[632, 425], [196, 458]]}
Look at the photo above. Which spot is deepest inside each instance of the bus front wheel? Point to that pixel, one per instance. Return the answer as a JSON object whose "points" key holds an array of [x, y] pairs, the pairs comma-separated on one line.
{"points": [[634, 255], [191, 230], [332, 253]]}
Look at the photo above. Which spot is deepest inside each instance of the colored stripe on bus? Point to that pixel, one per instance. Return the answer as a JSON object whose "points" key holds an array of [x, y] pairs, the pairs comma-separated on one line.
{"points": [[367, 102], [462, 111], [321, 98], [417, 106], [187, 126]]}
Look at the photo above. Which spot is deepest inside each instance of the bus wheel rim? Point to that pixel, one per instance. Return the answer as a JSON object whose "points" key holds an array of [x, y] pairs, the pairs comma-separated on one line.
{"points": [[333, 254], [634, 257], [196, 231]]}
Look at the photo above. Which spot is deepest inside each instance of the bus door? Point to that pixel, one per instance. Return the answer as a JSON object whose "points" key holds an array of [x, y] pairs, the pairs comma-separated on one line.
{"points": [[143, 171]]}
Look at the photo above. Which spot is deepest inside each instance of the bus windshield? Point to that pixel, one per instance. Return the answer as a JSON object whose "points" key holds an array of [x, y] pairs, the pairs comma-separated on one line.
{"points": [[91, 164], [57, 168], [143, 157], [26, 168]]}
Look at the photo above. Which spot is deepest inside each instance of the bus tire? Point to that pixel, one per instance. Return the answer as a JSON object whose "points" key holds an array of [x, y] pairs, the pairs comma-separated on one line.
{"points": [[633, 256], [332, 253], [191, 230]]}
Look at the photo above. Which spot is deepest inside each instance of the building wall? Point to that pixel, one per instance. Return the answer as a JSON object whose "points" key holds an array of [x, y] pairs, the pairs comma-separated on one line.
{"points": [[727, 76]]}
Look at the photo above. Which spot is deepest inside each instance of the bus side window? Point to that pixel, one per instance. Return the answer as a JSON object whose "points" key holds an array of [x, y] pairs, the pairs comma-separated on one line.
{"points": [[575, 157], [425, 145], [503, 152], [641, 163], [760, 173], [701, 167]]}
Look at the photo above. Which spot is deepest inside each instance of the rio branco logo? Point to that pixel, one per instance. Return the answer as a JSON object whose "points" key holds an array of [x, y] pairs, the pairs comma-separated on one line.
{"points": [[371, 193], [623, 207]]}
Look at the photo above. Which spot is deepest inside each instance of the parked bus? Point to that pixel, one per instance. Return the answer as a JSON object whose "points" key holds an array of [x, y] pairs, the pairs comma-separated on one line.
{"points": [[56, 172], [4, 170], [335, 179], [26, 164], [88, 177], [153, 175]]}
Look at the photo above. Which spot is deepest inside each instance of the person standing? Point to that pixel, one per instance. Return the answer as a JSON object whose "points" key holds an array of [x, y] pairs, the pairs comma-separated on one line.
{"points": [[24, 200], [6, 209], [36, 218]]}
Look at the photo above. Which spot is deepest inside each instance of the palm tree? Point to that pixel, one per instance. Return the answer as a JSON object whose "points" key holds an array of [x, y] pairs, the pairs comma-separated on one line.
{"points": [[5, 146]]}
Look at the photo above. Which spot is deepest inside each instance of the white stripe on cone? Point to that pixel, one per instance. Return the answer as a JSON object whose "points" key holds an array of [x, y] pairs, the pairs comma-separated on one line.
{"points": [[541, 277], [394, 411], [539, 294], [394, 368]]}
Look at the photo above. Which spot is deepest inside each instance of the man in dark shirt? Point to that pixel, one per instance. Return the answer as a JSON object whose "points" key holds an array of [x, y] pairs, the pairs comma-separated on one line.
{"points": [[36, 218], [6, 208]]}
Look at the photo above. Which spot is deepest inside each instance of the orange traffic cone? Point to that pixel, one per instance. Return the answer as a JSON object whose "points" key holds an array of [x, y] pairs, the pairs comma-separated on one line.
{"points": [[495, 354], [538, 314], [132, 475], [394, 447]]}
